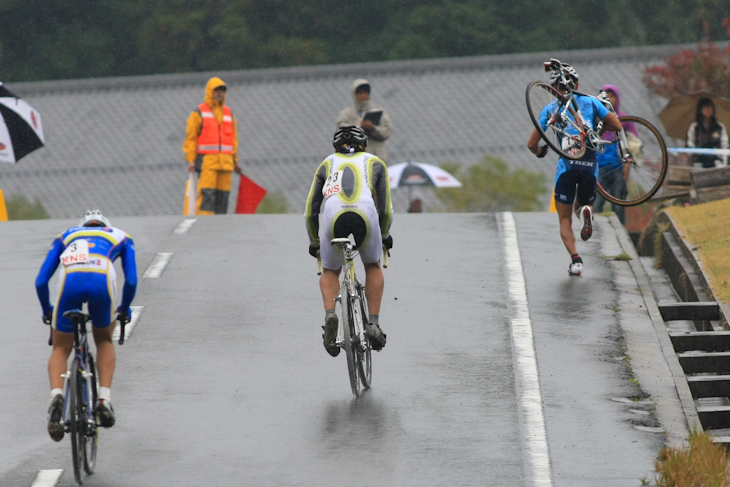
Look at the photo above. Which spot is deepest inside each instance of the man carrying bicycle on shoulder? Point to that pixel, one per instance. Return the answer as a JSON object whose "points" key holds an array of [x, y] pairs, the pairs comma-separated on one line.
{"points": [[352, 192], [575, 180], [86, 253]]}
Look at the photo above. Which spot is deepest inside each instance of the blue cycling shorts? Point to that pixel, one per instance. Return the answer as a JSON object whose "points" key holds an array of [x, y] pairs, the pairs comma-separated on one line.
{"points": [[576, 182], [76, 287]]}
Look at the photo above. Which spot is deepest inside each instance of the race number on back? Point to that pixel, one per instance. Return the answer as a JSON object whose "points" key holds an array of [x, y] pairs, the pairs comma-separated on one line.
{"points": [[333, 185], [76, 253]]}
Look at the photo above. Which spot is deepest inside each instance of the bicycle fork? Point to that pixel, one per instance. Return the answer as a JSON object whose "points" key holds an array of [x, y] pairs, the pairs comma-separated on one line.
{"points": [[86, 386], [340, 341], [359, 338]]}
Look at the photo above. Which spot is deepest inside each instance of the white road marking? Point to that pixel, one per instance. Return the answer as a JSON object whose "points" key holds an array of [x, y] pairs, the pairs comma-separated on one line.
{"points": [[136, 311], [158, 265], [184, 226], [47, 478], [527, 380]]}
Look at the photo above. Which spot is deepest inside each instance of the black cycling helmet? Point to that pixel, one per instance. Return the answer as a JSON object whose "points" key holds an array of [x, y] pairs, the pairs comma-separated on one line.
{"points": [[349, 139]]}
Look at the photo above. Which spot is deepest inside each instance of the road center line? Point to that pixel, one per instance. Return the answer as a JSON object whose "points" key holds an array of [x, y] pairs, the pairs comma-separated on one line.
{"points": [[47, 478], [136, 312], [527, 380], [183, 227], [158, 265]]}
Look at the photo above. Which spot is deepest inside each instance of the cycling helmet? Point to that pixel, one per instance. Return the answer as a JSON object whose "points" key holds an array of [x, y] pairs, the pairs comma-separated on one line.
{"points": [[567, 72], [349, 139], [94, 218]]}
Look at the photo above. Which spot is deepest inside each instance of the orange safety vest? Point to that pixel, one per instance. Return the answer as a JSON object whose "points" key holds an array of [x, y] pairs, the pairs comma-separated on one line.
{"points": [[215, 137]]}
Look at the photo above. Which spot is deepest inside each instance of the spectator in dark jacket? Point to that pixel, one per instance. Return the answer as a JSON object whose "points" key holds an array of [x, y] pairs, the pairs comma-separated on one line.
{"points": [[706, 132]]}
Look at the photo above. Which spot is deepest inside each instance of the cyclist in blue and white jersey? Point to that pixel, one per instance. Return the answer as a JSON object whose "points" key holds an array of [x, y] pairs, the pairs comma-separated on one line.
{"points": [[575, 180], [351, 190], [86, 254]]}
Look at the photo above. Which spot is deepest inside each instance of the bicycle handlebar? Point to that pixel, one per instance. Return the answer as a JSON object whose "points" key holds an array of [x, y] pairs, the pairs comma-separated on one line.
{"points": [[75, 316], [334, 241], [121, 330]]}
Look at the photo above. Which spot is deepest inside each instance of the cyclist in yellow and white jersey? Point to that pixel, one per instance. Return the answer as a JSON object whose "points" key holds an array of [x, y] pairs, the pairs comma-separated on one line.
{"points": [[351, 191]]}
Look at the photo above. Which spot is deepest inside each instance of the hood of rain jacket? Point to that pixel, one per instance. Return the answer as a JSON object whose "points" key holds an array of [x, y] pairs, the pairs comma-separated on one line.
{"points": [[213, 83], [360, 105], [618, 98]]}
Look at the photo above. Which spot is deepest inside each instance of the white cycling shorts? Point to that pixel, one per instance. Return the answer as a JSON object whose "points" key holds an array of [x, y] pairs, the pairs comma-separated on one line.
{"points": [[361, 222]]}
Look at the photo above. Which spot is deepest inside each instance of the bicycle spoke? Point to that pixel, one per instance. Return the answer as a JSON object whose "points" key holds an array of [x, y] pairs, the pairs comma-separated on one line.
{"points": [[562, 133], [629, 179], [347, 327], [77, 421], [364, 352], [92, 439], [353, 312]]}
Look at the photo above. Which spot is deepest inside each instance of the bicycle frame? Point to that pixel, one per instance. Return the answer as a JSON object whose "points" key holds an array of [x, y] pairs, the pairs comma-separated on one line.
{"points": [[80, 352], [353, 315], [593, 140], [80, 386], [348, 284], [571, 137]]}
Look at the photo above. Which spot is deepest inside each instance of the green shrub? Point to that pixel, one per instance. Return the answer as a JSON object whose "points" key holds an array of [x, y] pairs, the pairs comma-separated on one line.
{"points": [[20, 208], [490, 186], [274, 202]]}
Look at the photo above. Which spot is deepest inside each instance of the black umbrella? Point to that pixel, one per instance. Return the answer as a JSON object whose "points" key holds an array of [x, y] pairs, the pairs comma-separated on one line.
{"points": [[21, 130]]}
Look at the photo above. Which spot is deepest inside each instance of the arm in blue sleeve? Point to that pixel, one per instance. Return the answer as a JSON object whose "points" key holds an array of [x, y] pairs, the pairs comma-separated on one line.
{"points": [[47, 269], [129, 265]]}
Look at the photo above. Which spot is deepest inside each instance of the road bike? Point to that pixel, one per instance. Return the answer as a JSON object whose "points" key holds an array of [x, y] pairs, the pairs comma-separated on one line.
{"points": [[352, 307], [639, 159], [81, 386]]}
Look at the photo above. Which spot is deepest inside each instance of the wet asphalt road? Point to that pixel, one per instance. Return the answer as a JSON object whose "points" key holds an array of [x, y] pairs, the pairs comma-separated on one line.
{"points": [[224, 380]]}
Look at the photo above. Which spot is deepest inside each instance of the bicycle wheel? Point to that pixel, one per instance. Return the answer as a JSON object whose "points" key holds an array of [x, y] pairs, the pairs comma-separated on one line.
{"points": [[562, 133], [77, 419], [629, 179], [92, 440], [349, 343], [365, 365]]}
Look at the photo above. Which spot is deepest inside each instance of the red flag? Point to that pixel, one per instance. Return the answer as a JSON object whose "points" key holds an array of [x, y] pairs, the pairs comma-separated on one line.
{"points": [[250, 195]]}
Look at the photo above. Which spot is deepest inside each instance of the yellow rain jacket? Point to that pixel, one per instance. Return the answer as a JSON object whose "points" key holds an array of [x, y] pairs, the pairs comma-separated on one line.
{"points": [[218, 161]]}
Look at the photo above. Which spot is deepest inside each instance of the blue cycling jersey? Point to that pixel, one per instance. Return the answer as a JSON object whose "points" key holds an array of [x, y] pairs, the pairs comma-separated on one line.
{"points": [[577, 177], [86, 255], [593, 111]]}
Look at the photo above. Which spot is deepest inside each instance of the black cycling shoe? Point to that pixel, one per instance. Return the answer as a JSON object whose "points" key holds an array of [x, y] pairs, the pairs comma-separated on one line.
{"points": [[330, 334], [55, 415], [376, 336], [105, 413]]}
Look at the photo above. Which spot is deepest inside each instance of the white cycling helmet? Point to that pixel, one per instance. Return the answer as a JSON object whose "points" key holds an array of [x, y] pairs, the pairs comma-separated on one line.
{"points": [[94, 218], [568, 71]]}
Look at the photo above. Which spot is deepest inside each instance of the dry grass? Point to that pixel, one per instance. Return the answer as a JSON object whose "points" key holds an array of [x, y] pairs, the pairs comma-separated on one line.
{"points": [[702, 463], [707, 226]]}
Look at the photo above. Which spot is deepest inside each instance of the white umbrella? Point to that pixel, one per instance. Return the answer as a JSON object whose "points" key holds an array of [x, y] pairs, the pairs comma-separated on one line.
{"points": [[21, 129], [420, 174]]}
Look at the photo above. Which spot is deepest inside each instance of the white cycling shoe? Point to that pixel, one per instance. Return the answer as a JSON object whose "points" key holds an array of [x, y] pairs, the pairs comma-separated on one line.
{"points": [[576, 266]]}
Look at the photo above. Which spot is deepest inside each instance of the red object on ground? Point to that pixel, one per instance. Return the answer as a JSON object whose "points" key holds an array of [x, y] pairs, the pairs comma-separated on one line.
{"points": [[638, 217], [250, 195]]}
